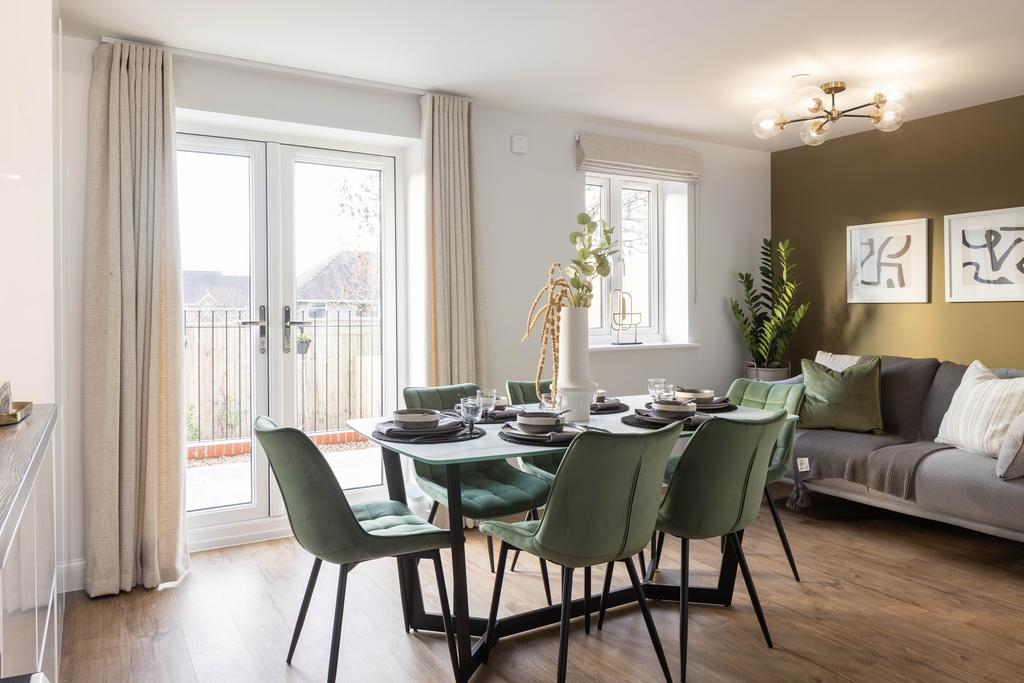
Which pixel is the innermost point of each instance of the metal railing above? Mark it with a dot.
(338, 374)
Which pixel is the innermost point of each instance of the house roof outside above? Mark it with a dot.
(343, 276)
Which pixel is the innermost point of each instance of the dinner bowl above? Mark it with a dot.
(416, 418)
(701, 396)
(539, 422)
(669, 408)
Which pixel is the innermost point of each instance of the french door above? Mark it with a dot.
(288, 260)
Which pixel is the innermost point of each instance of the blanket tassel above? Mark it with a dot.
(799, 498)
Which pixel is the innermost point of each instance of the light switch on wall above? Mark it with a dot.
(520, 144)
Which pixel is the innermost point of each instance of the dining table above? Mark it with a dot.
(492, 447)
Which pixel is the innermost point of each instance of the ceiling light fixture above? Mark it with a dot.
(816, 107)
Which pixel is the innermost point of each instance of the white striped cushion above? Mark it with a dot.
(981, 411)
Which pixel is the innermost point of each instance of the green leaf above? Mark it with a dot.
(582, 218)
(575, 236)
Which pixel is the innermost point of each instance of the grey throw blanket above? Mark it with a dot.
(890, 469)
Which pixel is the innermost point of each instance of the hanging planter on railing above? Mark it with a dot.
(302, 343)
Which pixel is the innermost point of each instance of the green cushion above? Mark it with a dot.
(320, 516)
(768, 396)
(490, 489)
(437, 398)
(849, 400)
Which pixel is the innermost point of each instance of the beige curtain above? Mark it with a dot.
(452, 334)
(134, 427)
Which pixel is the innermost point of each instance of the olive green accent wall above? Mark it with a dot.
(966, 160)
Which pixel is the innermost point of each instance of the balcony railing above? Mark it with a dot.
(338, 376)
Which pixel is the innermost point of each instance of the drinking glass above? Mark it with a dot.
(469, 409)
(656, 387)
(549, 402)
(486, 398)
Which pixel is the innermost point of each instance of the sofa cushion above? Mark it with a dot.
(847, 400)
(905, 383)
(830, 450)
(838, 361)
(936, 403)
(962, 484)
(981, 411)
(1010, 463)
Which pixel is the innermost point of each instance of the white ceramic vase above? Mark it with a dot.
(575, 387)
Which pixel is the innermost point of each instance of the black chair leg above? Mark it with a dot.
(782, 533)
(646, 611)
(547, 581)
(738, 549)
(339, 612)
(304, 608)
(433, 512)
(492, 617)
(563, 630)
(490, 551)
(684, 607)
(446, 614)
(586, 600)
(604, 594)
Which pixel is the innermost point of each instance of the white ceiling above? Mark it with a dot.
(699, 67)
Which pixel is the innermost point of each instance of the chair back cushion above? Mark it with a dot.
(604, 500)
(769, 396)
(525, 391)
(717, 486)
(319, 513)
(437, 398)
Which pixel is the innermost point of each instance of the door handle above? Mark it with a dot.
(261, 324)
(288, 325)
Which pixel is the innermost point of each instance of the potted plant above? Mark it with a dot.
(769, 314)
(302, 342)
(566, 297)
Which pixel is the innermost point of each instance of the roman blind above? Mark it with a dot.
(615, 156)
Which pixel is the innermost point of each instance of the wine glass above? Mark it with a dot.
(469, 409)
(486, 398)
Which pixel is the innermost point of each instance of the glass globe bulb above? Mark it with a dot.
(815, 132)
(767, 124)
(897, 93)
(890, 117)
(809, 101)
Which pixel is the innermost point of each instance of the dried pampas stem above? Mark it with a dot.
(557, 293)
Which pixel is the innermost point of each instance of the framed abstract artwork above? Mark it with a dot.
(985, 256)
(887, 263)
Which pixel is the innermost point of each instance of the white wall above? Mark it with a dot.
(27, 326)
(524, 208)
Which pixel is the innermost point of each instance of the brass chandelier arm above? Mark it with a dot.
(859, 106)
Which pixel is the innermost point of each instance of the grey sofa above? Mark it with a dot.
(953, 486)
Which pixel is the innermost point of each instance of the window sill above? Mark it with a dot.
(644, 346)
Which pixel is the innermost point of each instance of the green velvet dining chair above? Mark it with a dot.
(490, 489)
(524, 392)
(768, 396)
(333, 531)
(716, 492)
(602, 509)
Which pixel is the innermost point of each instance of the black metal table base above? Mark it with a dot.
(470, 654)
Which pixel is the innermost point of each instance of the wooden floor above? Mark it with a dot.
(883, 598)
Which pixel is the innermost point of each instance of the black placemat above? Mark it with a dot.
(613, 408)
(689, 424)
(720, 408)
(432, 438)
(511, 438)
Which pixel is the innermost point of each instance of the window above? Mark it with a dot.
(633, 208)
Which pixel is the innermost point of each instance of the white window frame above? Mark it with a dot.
(611, 205)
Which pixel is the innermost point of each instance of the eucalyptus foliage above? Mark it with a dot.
(594, 247)
(769, 316)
